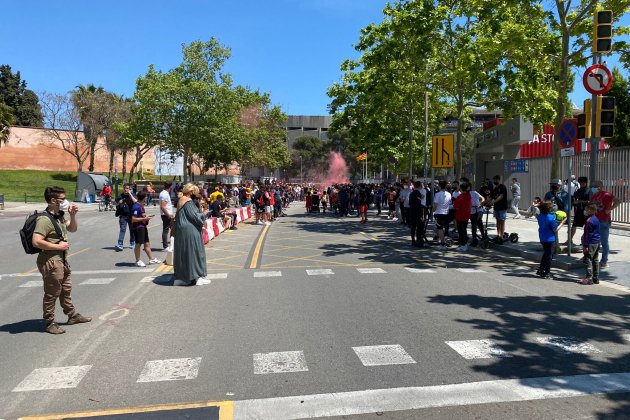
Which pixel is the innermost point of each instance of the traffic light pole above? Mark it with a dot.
(594, 141)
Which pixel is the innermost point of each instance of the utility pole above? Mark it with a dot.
(410, 139)
(594, 141)
(426, 131)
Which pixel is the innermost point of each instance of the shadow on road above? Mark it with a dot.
(27, 325)
(588, 318)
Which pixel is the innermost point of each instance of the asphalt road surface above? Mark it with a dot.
(311, 317)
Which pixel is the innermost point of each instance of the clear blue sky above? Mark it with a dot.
(290, 48)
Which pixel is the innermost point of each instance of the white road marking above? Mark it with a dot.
(99, 281)
(215, 276)
(32, 283)
(469, 270)
(568, 345)
(413, 398)
(279, 362)
(53, 378)
(148, 279)
(478, 349)
(320, 272)
(626, 337)
(420, 270)
(170, 370)
(371, 270)
(268, 274)
(86, 272)
(383, 355)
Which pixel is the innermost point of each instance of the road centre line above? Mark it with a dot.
(414, 398)
(255, 256)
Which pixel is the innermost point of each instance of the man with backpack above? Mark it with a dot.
(50, 237)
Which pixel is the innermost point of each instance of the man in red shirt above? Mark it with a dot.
(606, 203)
(463, 205)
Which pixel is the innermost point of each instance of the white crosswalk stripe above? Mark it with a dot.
(568, 345)
(98, 281)
(478, 349)
(383, 355)
(279, 362)
(320, 272)
(215, 276)
(148, 279)
(268, 274)
(170, 370)
(32, 283)
(53, 378)
(371, 271)
(469, 270)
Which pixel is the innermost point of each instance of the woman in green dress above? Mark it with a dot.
(189, 259)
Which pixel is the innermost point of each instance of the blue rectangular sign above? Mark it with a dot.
(516, 166)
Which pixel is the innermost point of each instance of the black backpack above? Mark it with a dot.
(27, 231)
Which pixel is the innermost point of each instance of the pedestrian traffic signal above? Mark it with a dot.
(584, 121)
(605, 121)
(602, 31)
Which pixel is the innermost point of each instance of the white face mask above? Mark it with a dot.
(64, 205)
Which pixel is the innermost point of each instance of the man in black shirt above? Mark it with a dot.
(499, 198)
(580, 200)
(416, 215)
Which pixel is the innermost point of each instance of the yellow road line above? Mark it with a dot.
(26, 273)
(226, 411)
(254, 262)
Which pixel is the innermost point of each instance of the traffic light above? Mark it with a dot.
(602, 31)
(605, 121)
(584, 121)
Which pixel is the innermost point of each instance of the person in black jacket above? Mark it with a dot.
(124, 203)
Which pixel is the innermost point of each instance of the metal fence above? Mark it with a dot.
(613, 170)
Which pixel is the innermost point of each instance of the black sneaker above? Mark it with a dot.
(118, 248)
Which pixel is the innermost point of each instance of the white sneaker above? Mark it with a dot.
(155, 261)
(139, 263)
(203, 281)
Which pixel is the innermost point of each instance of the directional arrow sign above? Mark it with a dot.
(443, 150)
(597, 79)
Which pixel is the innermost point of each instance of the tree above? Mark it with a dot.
(63, 126)
(6, 121)
(94, 105)
(572, 23)
(23, 102)
(621, 91)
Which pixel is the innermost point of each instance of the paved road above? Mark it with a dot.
(312, 317)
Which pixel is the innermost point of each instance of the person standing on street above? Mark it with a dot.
(516, 197)
(606, 203)
(52, 262)
(580, 200)
(139, 223)
(547, 233)
(499, 199)
(591, 242)
(166, 213)
(124, 203)
(416, 215)
(441, 204)
(463, 204)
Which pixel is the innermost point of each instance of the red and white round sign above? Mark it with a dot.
(597, 79)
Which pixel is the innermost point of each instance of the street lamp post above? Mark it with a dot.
(301, 173)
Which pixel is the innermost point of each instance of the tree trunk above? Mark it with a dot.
(124, 164)
(460, 132)
(111, 163)
(92, 147)
(411, 140)
(561, 105)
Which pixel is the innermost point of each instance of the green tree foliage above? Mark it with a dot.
(621, 91)
(310, 151)
(23, 102)
(6, 121)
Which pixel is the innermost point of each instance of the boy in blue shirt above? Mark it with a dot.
(548, 227)
(591, 242)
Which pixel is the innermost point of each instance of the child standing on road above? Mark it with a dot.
(139, 222)
(548, 227)
(591, 242)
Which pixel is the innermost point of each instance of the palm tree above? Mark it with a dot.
(6, 121)
(89, 100)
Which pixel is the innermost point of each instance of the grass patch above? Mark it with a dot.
(15, 183)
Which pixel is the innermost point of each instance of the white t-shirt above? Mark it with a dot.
(454, 196)
(166, 196)
(423, 196)
(441, 202)
(476, 201)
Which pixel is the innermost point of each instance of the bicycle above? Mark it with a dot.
(105, 205)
